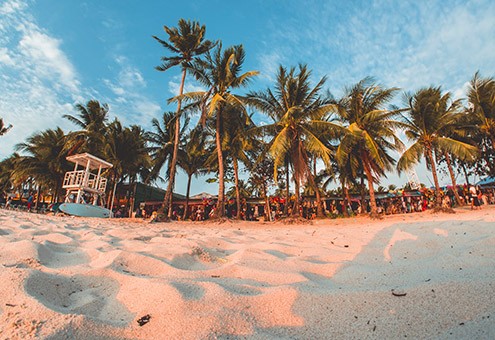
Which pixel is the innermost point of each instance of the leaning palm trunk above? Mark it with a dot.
(438, 198)
(369, 177)
(452, 177)
(188, 190)
(221, 184)
(363, 198)
(168, 199)
(237, 193)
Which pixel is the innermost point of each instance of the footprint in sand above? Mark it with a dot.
(4, 232)
(55, 255)
(86, 295)
(189, 291)
(201, 259)
(141, 265)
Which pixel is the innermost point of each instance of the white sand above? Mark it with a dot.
(420, 275)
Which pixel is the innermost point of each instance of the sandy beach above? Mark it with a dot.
(418, 275)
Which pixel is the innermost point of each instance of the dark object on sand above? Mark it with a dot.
(144, 320)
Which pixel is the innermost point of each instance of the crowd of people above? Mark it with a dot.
(469, 195)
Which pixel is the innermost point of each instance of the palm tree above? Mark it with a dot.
(371, 131)
(126, 150)
(92, 119)
(236, 144)
(220, 73)
(191, 158)
(481, 110)
(186, 42)
(481, 96)
(161, 142)
(45, 161)
(7, 168)
(3, 128)
(299, 121)
(431, 116)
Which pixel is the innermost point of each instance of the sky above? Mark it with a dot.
(55, 54)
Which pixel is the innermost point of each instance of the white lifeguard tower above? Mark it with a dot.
(86, 185)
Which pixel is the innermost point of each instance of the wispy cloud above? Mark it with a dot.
(38, 82)
(132, 104)
(405, 44)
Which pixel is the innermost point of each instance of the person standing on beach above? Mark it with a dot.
(473, 197)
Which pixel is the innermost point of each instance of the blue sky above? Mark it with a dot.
(54, 53)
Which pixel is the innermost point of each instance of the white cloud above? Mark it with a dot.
(190, 85)
(48, 59)
(5, 57)
(12, 6)
(132, 105)
(38, 82)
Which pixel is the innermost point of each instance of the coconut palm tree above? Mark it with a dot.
(7, 168)
(161, 143)
(3, 128)
(92, 119)
(299, 114)
(481, 110)
(126, 150)
(45, 161)
(220, 73)
(236, 144)
(481, 97)
(431, 116)
(370, 131)
(186, 42)
(191, 158)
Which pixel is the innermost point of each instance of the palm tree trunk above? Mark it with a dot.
(295, 210)
(237, 193)
(369, 177)
(344, 199)
(268, 210)
(221, 184)
(37, 198)
(363, 199)
(319, 208)
(167, 201)
(463, 166)
(287, 192)
(452, 177)
(189, 177)
(438, 198)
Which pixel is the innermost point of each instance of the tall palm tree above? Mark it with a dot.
(92, 119)
(191, 158)
(431, 116)
(220, 73)
(3, 128)
(370, 131)
(299, 119)
(185, 42)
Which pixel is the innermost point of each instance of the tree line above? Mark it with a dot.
(356, 137)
